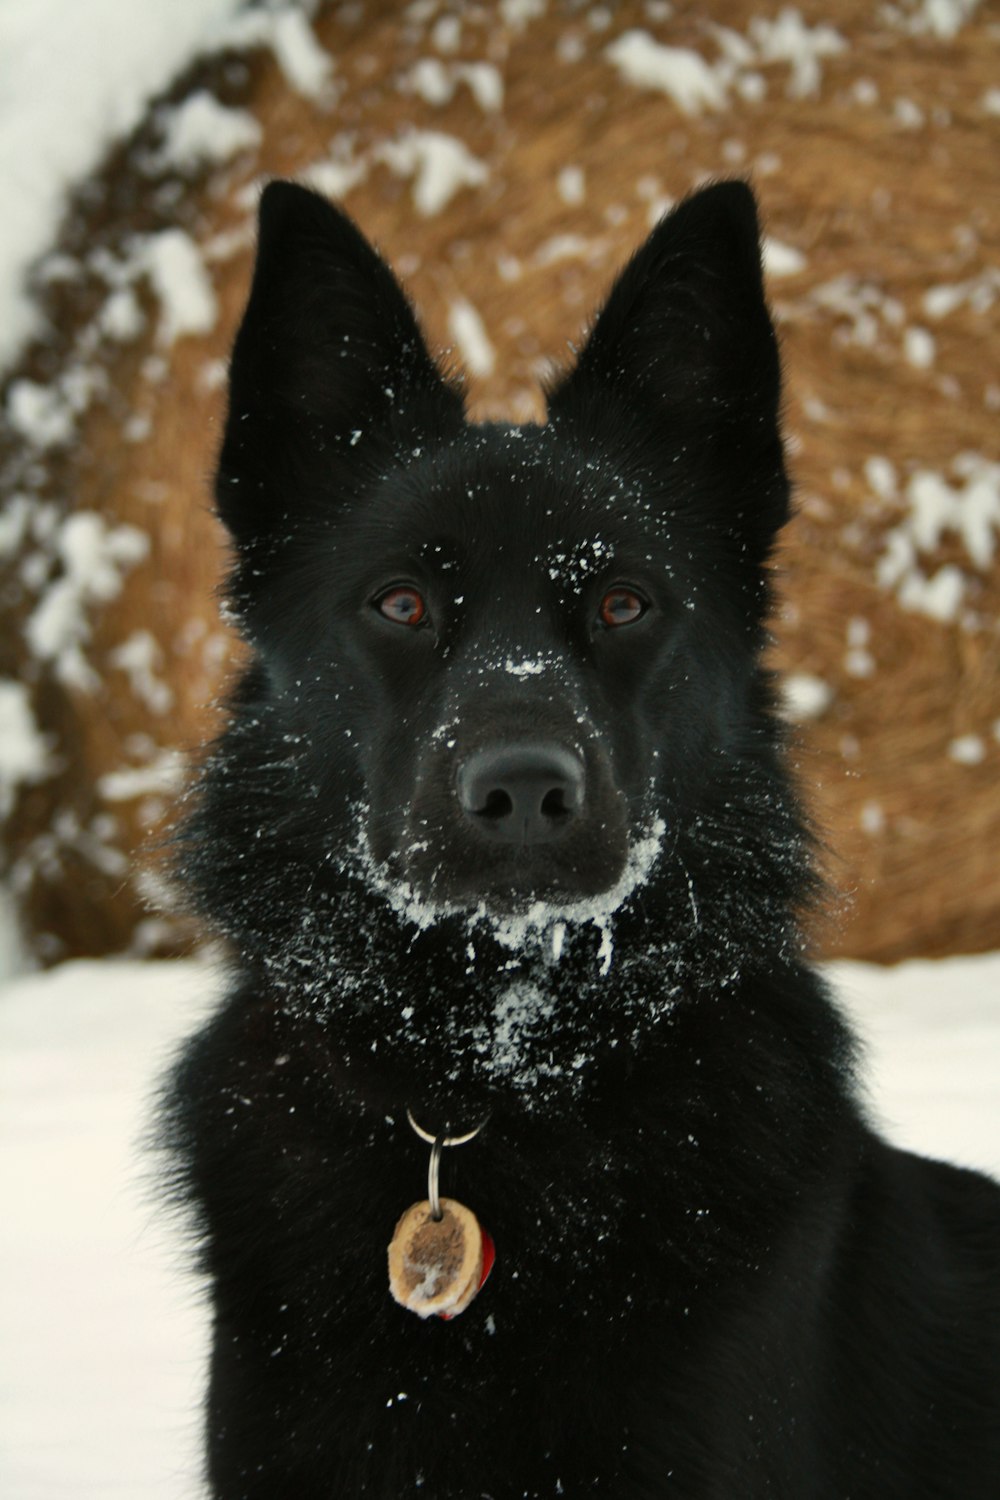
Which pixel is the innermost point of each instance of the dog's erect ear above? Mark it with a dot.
(683, 351)
(330, 373)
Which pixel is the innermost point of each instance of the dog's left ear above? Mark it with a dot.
(683, 355)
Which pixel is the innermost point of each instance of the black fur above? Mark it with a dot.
(713, 1280)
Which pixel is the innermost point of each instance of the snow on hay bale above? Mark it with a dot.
(508, 158)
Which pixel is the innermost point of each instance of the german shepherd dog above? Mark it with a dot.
(502, 842)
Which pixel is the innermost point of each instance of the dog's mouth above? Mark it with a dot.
(514, 885)
(525, 895)
(465, 869)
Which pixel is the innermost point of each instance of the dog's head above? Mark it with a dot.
(517, 656)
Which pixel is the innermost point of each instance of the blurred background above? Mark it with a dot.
(506, 157)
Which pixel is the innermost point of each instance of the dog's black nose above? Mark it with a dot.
(523, 793)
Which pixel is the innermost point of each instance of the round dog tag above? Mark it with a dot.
(438, 1264)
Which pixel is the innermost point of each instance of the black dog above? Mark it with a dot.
(499, 831)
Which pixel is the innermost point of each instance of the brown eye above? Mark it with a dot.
(404, 606)
(620, 607)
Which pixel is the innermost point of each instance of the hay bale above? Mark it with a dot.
(507, 159)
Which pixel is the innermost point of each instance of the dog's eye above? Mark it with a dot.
(403, 605)
(620, 607)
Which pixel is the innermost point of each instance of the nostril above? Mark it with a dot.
(554, 803)
(498, 805)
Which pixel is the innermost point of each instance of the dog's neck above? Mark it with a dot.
(445, 1016)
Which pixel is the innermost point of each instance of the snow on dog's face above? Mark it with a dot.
(505, 662)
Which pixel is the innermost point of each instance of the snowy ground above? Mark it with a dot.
(101, 1331)
(101, 1336)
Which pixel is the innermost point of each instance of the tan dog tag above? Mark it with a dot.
(436, 1266)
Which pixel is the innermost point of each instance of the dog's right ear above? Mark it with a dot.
(330, 374)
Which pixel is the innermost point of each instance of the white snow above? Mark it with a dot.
(919, 348)
(15, 522)
(805, 696)
(968, 509)
(790, 40)
(165, 774)
(978, 293)
(939, 18)
(436, 82)
(177, 272)
(518, 13)
(939, 597)
(440, 165)
(679, 72)
(571, 185)
(881, 476)
(695, 84)
(139, 656)
(517, 1012)
(872, 818)
(864, 308)
(431, 79)
(285, 29)
(932, 1031)
(908, 114)
(446, 34)
(24, 750)
(102, 61)
(567, 247)
(336, 174)
(103, 1339)
(525, 668)
(201, 130)
(93, 557)
(968, 750)
(75, 78)
(537, 923)
(466, 327)
(782, 260)
(39, 413)
(122, 317)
